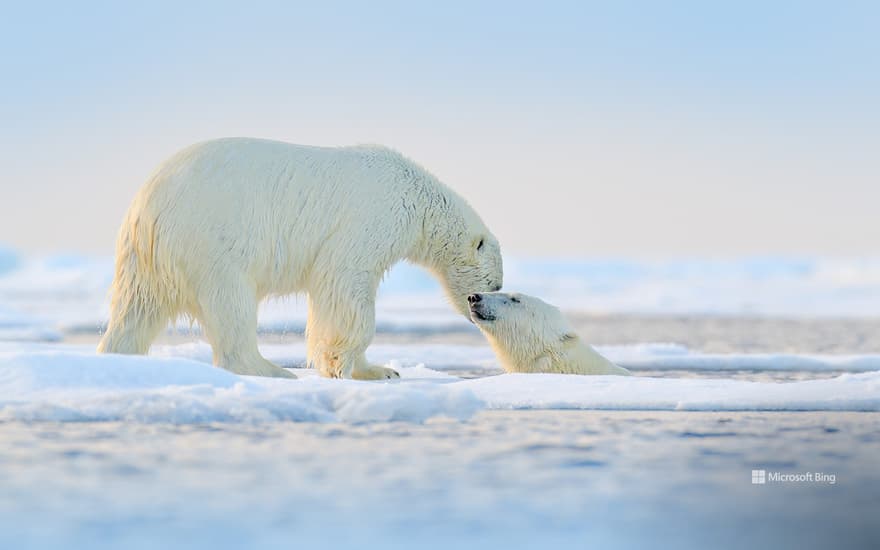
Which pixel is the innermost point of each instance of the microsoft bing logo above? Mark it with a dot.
(759, 477)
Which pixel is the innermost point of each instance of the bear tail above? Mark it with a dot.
(139, 305)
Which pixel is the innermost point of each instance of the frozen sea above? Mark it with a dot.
(747, 370)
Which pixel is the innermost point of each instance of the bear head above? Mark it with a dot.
(521, 328)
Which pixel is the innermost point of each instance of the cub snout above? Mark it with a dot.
(480, 311)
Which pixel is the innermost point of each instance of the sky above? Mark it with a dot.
(625, 129)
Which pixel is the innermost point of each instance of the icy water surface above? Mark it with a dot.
(504, 479)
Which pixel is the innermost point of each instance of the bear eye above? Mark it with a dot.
(479, 246)
(514, 300)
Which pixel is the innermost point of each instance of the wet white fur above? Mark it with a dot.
(224, 224)
(530, 335)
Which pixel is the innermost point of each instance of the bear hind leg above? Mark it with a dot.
(230, 324)
(136, 319)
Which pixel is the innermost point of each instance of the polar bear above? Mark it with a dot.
(223, 224)
(529, 335)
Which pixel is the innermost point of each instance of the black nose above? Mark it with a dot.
(474, 298)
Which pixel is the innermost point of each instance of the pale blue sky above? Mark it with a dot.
(614, 128)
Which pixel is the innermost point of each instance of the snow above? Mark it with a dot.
(660, 356)
(69, 386)
(55, 382)
(848, 392)
(481, 360)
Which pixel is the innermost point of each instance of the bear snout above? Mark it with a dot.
(474, 299)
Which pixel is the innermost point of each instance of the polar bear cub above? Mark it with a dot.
(530, 335)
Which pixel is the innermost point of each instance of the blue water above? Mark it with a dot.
(521, 479)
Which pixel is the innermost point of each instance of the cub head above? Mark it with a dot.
(529, 335)
(518, 317)
(524, 331)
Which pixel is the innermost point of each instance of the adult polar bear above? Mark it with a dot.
(223, 224)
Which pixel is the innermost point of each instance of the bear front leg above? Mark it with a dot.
(338, 332)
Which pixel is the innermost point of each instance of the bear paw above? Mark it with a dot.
(258, 368)
(374, 372)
